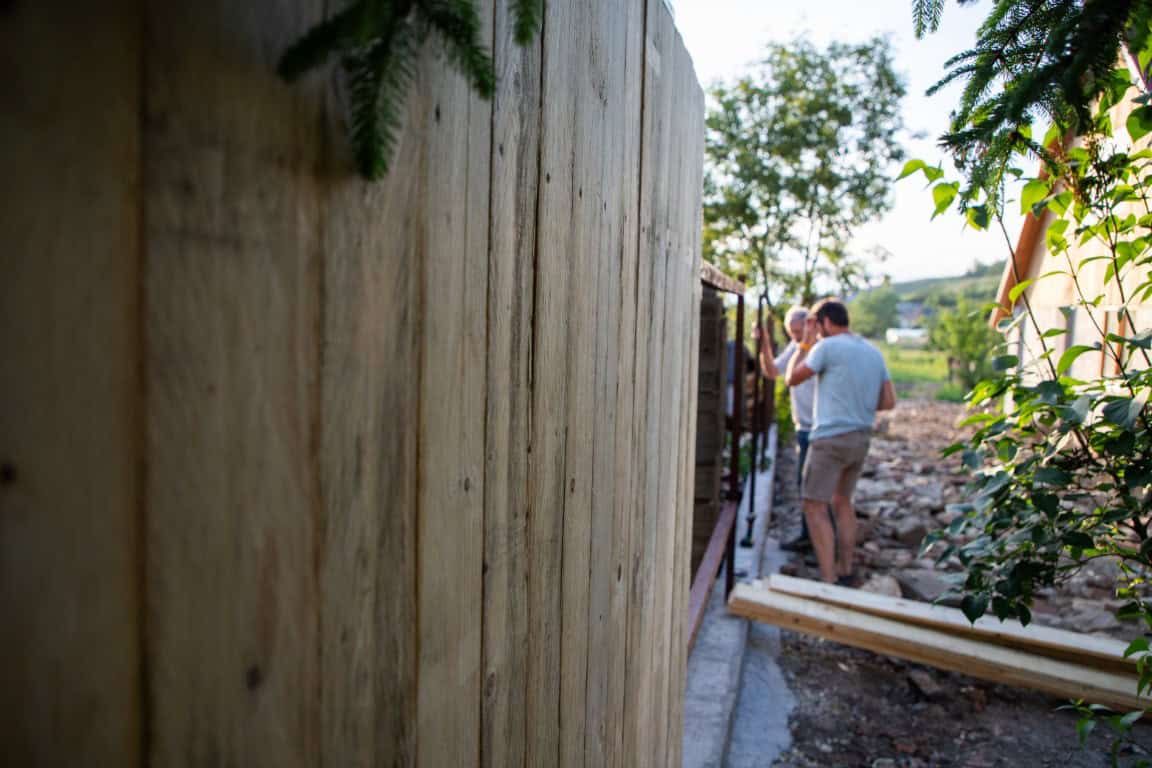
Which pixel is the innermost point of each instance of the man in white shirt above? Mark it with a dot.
(802, 398)
(852, 383)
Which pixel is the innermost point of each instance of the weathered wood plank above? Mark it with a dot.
(710, 273)
(576, 179)
(371, 347)
(515, 174)
(71, 419)
(619, 34)
(453, 376)
(233, 311)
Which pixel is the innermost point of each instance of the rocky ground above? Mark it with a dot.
(855, 708)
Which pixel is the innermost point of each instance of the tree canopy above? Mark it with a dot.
(800, 154)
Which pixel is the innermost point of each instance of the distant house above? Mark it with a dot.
(1055, 299)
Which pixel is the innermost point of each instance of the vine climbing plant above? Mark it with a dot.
(377, 43)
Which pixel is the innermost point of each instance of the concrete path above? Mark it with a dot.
(716, 666)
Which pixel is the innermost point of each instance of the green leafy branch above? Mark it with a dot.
(377, 43)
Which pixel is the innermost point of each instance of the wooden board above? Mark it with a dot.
(1101, 652)
(450, 501)
(615, 57)
(372, 282)
(71, 416)
(936, 648)
(515, 174)
(235, 511)
(712, 276)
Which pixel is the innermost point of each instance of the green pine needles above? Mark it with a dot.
(1045, 60)
(378, 41)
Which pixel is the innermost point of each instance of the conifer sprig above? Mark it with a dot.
(378, 42)
(1047, 59)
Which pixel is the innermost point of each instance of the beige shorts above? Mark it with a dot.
(833, 465)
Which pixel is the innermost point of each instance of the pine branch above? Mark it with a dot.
(458, 26)
(926, 16)
(528, 15)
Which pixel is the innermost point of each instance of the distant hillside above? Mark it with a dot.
(978, 283)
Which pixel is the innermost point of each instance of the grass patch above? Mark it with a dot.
(920, 373)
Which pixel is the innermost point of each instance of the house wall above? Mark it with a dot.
(303, 470)
(1058, 302)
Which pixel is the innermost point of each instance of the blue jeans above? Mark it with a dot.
(801, 456)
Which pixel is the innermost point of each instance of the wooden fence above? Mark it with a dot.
(300, 470)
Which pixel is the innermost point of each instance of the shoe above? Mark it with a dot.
(851, 580)
(798, 544)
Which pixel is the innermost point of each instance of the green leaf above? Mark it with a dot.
(1018, 289)
(1084, 728)
(911, 167)
(944, 194)
(1004, 362)
(1124, 411)
(978, 217)
(974, 606)
(1139, 123)
(1139, 645)
(1071, 354)
(1033, 193)
(1051, 476)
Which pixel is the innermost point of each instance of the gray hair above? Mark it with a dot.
(795, 313)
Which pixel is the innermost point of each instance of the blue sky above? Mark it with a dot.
(723, 36)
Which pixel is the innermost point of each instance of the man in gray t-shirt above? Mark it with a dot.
(852, 383)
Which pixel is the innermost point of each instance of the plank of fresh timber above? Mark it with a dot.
(71, 429)
(712, 276)
(454, 310)
(233, 236)
(515, 171)
(1105, 653)
(936, 648)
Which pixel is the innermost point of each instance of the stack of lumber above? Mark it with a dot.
(1065, 664)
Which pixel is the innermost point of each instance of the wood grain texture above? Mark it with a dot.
(372, 334)
(515, 176)
(619, 29)
(454, 218)
(235, 514)
(939, 649)
(71, 408)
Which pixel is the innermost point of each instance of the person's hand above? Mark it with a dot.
(756, 332)
(811, 331)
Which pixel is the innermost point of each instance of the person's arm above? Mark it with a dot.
(799, 371)
(887, 396)
(767, 364)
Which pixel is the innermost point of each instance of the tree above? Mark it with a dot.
(963, 334)
(798, 157)
(874, 312)
(1062, 467)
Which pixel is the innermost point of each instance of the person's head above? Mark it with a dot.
(794, 321)
(831, 317)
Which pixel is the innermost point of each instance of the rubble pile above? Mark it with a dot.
(906, 490)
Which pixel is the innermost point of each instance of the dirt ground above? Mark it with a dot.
(856, 708)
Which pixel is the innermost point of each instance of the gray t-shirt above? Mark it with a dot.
(803, 395)
(849, 375)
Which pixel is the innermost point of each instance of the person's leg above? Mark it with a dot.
(821, 473)
(801, 456)
(845, 534)
(854, 449)
(823, 540)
